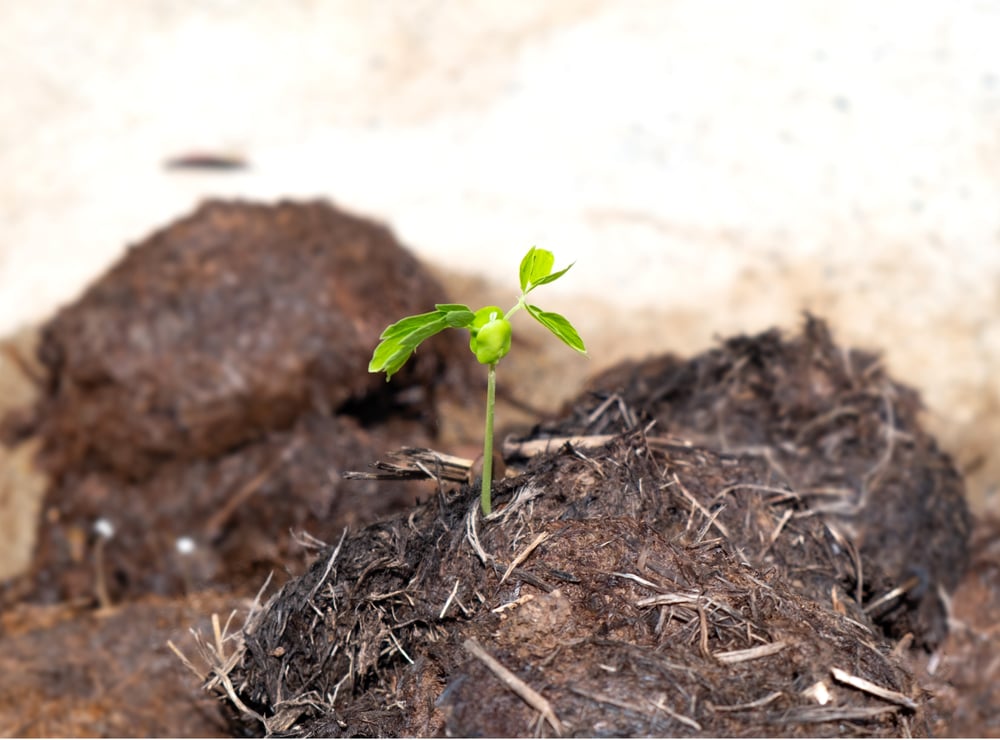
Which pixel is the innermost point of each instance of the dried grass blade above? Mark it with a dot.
(523, 555)
(741, 656)
(527, 694)
(874, 689)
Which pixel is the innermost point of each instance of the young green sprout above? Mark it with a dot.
(489, 339)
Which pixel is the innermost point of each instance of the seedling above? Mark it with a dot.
(489, 339)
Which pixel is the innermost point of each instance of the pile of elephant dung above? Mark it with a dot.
(196, 407)
(633, 581)
(202, 398)
(830, 424)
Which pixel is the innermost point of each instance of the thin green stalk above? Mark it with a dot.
(491, 392)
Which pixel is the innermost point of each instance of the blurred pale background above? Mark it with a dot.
(711, 166)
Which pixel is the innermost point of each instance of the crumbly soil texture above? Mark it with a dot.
(749, 542)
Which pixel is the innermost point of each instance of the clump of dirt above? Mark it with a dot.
(634, 584)
(831, 425)
(66, 672)
(203, 397)
(224, 521)
(224, 326)
(197, 407)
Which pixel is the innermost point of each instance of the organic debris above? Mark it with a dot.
(830, 424)
(641, 584)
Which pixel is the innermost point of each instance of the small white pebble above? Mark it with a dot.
(104, 528)
(185, 545)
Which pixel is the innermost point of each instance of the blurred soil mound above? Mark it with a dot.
(198, 405)
(965, 674)
(716, 572)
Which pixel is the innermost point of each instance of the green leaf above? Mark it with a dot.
(399, 340)
(535, 265)
(550, 278)
(457, 315)
(409, 324)
(560, 326)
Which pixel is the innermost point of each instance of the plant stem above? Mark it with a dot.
(491, 392)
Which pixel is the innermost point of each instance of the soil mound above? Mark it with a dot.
(831, 425)
(634, 582)
(204, 396)
(224, 326)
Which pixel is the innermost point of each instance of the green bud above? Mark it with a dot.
(489, 335)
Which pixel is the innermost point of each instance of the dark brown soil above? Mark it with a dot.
(831, 425)
(225, 326)
(965, 674)
(652, 585)
(199, 403)
(66, 672)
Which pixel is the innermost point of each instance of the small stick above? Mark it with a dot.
(703, 629)
(761, 702)
(184, 659)
(868, 687)
(527, 694)
(893, 594)
(741, 656)
(605, 699)
(776, 533)
(524, 555)
(533, 447)
(451, 596)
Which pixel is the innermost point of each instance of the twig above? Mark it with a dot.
(447, 603)
(708, 515)
(638, 579)
(523, 555)
(683, 719)
(527, 694)
(184, 659)
(473, 537)
(628, 706)
(416, 463)
(756, 704)
(890, 595)
(741, 656)
(776, 533)
(868, 687)
(533, 447)
(785, 494)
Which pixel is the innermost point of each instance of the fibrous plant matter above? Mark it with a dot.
(646, 585)
(831, 425)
